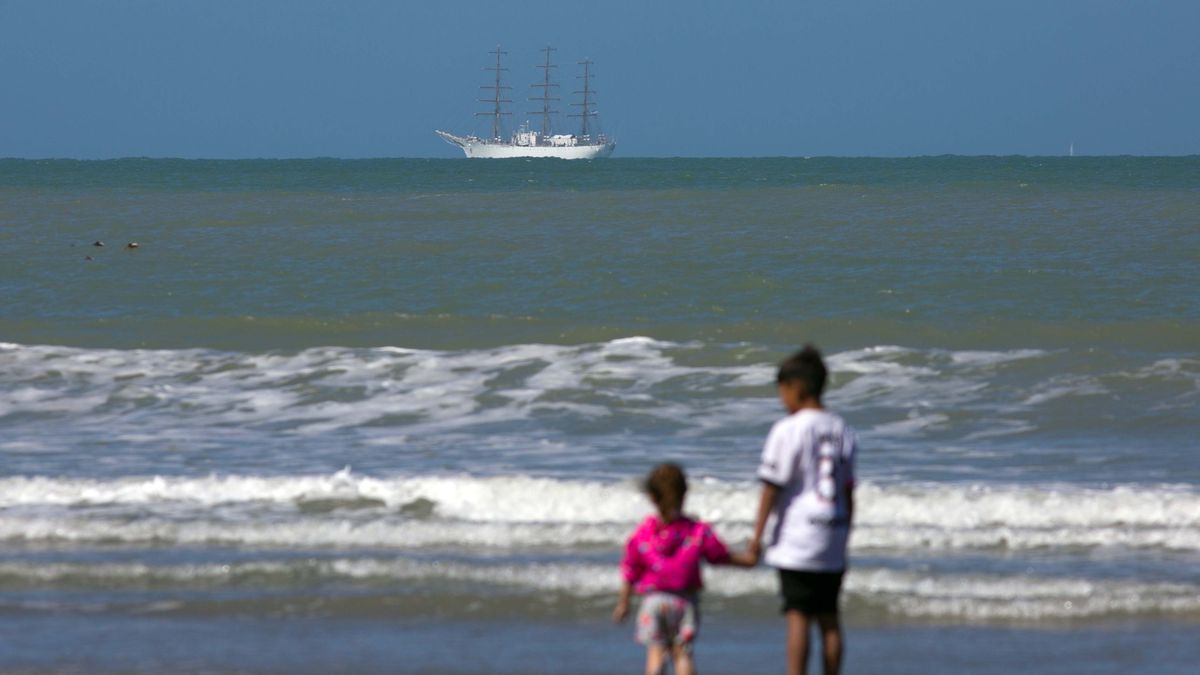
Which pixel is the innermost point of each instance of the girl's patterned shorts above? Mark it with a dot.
(668, 619)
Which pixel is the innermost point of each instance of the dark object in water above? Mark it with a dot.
(97, 243)
(88, 257)
(132, 244)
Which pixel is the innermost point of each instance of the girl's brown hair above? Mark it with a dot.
(666, 485)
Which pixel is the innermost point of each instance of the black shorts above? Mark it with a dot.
(810, 593)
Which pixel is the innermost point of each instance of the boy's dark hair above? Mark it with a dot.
(807, 367)
(666, 485)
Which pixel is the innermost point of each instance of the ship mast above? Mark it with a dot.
(497, 96)
(546, 86)
(585, 111)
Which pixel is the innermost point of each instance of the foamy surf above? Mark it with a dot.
(594, 409)
(971, 597)
(510, 473)
(348, 509)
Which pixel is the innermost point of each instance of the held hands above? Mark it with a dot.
(747, 558)
(754, 551)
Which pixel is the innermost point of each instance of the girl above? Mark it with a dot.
(662, 563)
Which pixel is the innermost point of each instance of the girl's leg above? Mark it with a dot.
(684, 664)
(797, 642)
(656, 658)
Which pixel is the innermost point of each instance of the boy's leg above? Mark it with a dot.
(684, 665)
(831, 642)
(797, 642)
(656, 658)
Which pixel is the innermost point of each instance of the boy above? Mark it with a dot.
(807, 472)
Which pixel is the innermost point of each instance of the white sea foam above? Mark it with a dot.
(320, 390)
(973, 597)
(991, 358)
(568, 409)
(1017, 598)
(349, 510)
(325, 389)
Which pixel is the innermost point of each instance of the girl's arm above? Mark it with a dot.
(622, 609)
(716, 553)
(632, 566)
(742, 559)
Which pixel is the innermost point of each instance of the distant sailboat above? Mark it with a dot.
(528, 142)
(1071, 151)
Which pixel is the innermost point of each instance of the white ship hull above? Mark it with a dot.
(479, 149)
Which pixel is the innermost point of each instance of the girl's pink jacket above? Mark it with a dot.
(666, 556)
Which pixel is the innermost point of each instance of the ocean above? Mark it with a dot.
(389, 415)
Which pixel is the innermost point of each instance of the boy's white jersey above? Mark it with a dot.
(809, 456)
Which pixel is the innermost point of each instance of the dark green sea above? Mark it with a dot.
(401, 404)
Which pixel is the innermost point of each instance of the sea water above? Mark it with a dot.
(389, 415)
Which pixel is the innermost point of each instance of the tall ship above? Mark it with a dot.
(528, 141)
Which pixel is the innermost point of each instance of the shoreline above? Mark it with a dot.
(83, 643)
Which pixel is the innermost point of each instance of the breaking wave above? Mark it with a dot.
(350, 510)
(588, 409)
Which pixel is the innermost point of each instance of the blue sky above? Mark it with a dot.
(373, 78)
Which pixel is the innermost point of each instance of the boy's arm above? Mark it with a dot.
(766, 502)
(775, 470)
(622, 609)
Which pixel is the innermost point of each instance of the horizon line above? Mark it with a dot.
(606, 159)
